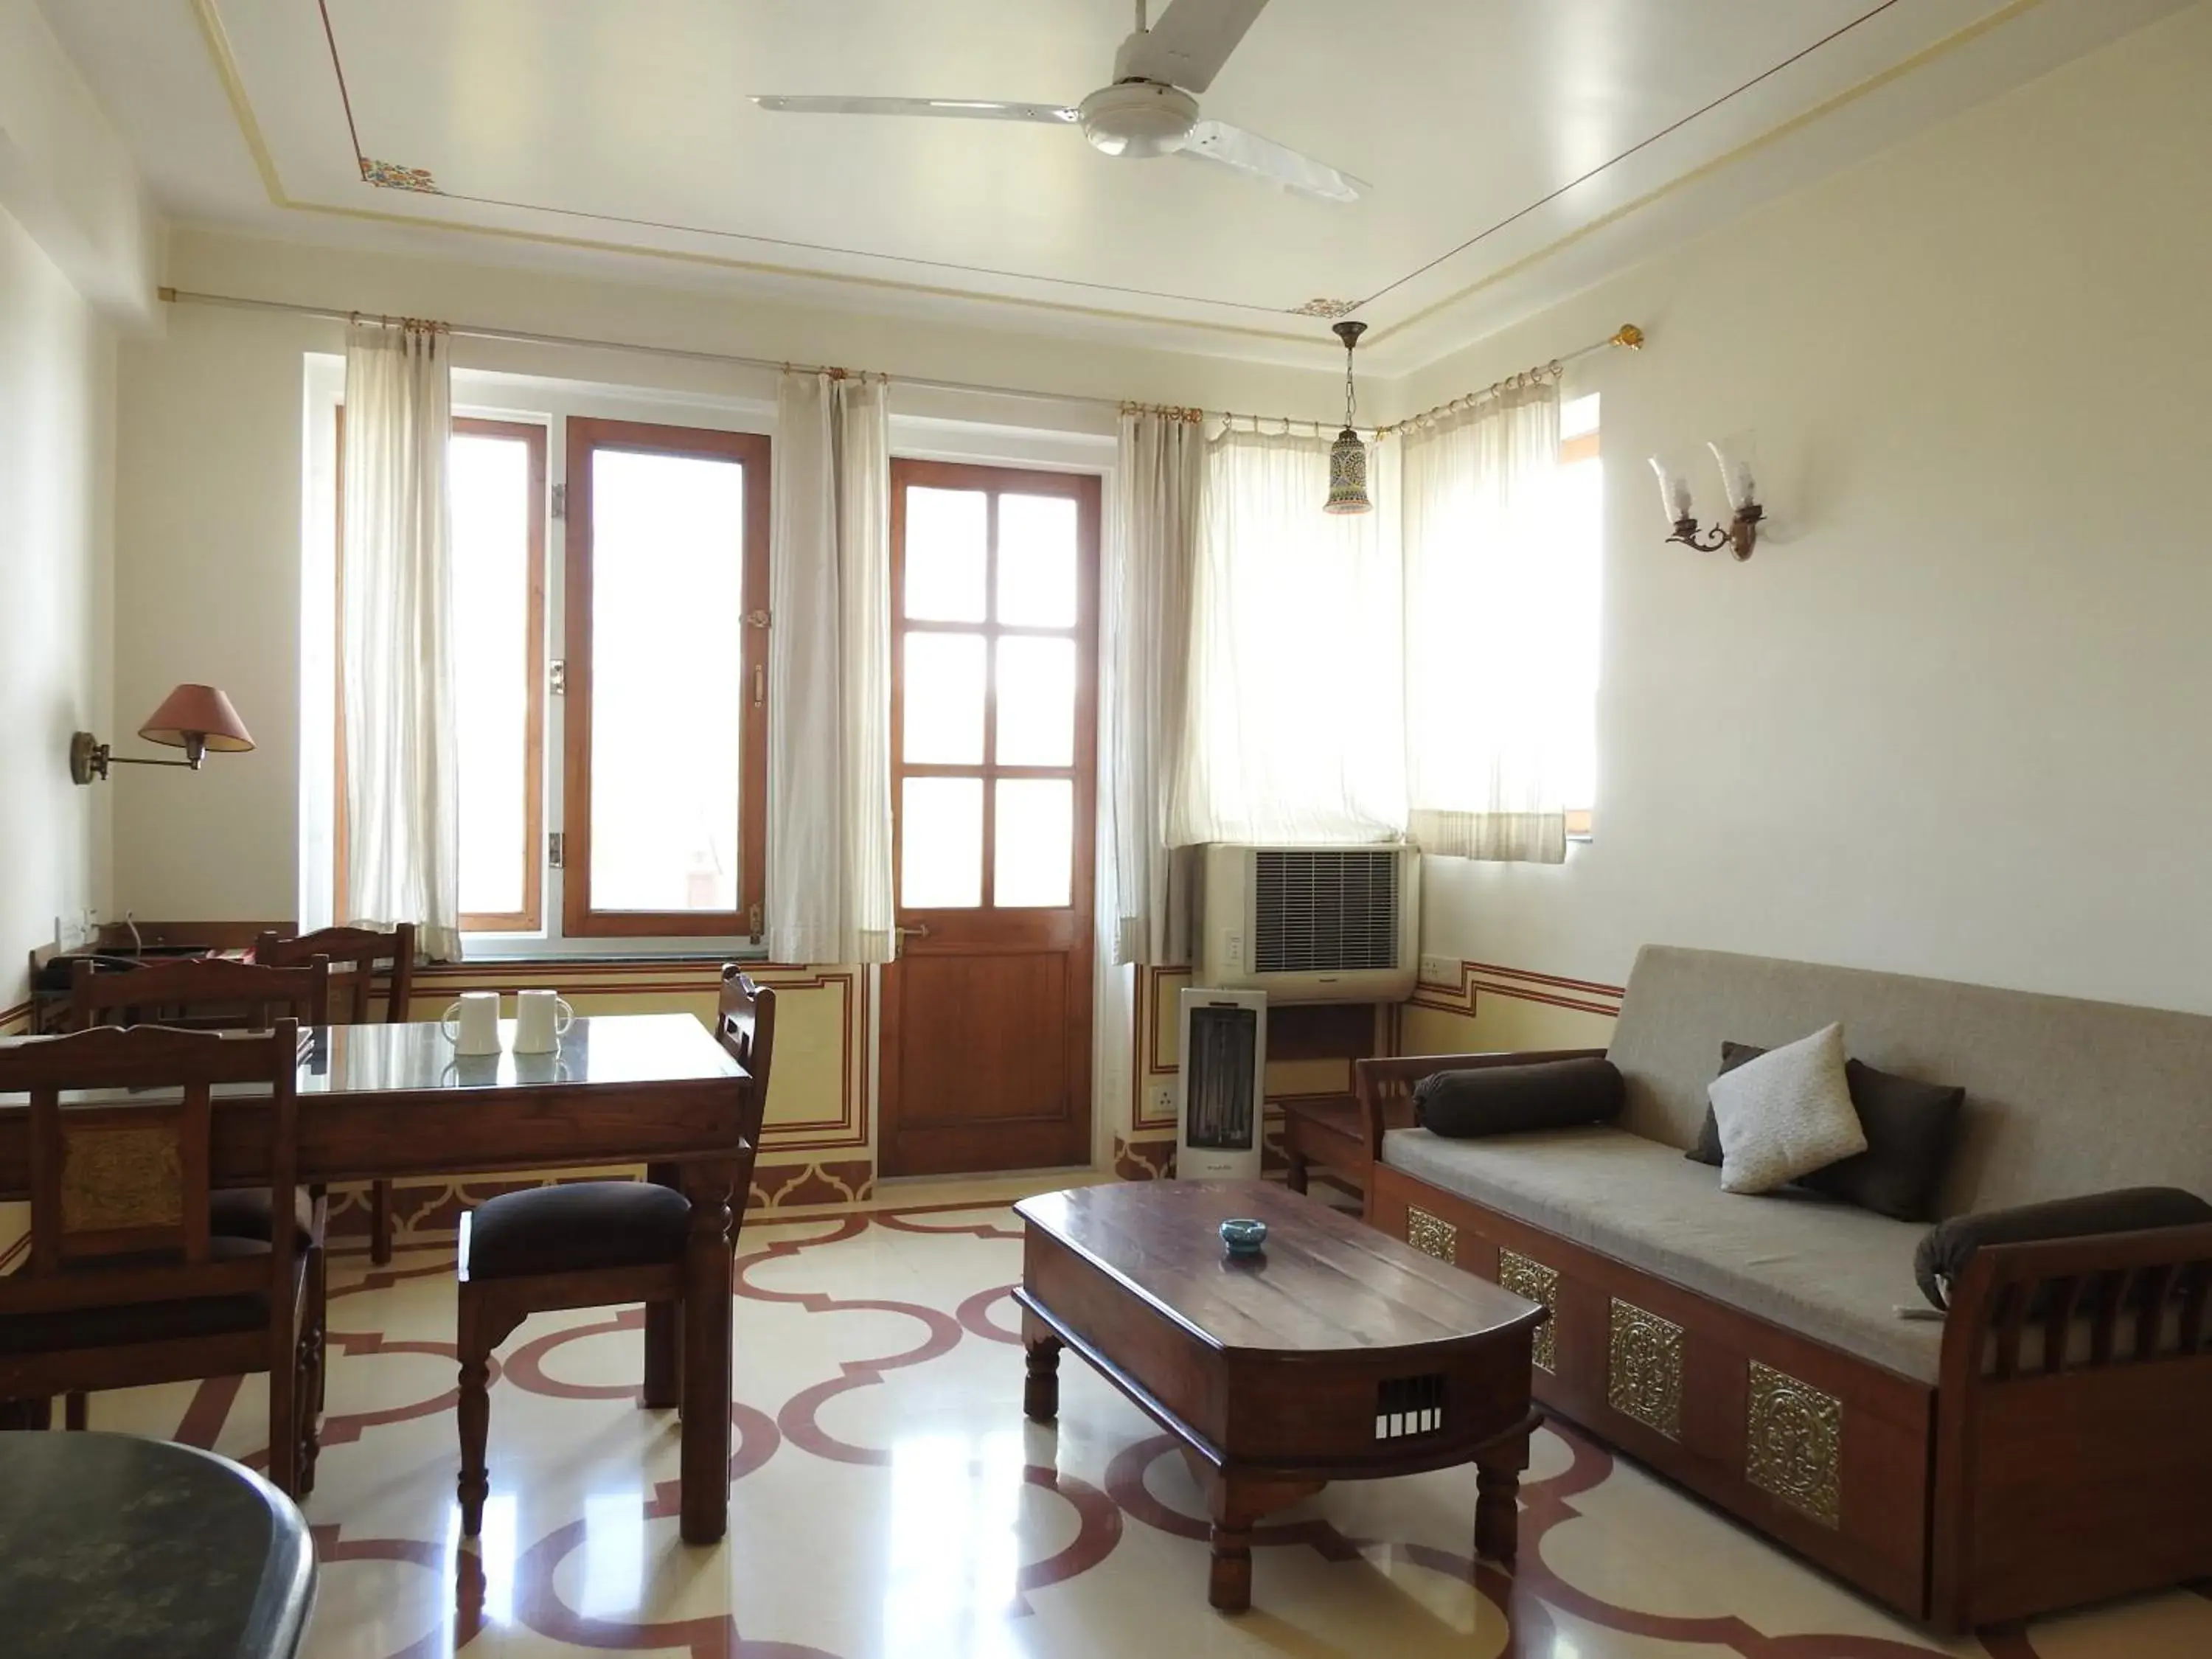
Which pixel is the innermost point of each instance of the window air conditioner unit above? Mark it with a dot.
(1312, 924)
(1225, 1079)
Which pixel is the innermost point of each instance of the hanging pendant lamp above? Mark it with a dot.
(1348, 456)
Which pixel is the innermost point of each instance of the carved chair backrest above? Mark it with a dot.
(356, 951)
(119, 1181)
(208, 992)
(744, 1024)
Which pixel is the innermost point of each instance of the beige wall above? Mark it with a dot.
(57, 410)
(1952, 718)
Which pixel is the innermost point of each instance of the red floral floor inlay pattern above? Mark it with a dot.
(890, 1499)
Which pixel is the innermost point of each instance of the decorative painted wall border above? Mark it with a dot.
(1478, 979)
(425, 1211)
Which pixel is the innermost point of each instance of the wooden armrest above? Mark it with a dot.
(1371, 1080)
(2052, 1282)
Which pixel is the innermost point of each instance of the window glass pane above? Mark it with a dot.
(947, 536)
(941, 844)
(667, 680)
(1037, 701)
(492, 680)
(944, 695)
(1036, 842)
(1037, 561)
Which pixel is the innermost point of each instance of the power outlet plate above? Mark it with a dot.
(1163, 1100)
(1440, 970)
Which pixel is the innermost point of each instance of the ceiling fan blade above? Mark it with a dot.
(1189, 44)
(1262, 158)
(959, 109)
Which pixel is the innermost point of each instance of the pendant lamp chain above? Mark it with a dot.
(1348, 456)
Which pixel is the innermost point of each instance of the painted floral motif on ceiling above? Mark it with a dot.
(390, 175)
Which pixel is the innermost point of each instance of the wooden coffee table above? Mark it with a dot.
(1337, 1354)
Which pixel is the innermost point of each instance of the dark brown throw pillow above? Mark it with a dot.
(1496, 1100)
(1910, 1127)
(1949, 1245)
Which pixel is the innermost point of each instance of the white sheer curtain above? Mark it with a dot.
(1158, 477)
(402, 774)
(1496, 630)
(1295, 725)
(830, 757)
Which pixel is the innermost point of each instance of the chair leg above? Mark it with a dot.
(474, 1411)
(380, 1223)
(312, 1364)
(664, 1355)
(76, 1409)
(285, 1400)
(319, 1309)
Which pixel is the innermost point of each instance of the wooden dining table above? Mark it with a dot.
(396, 1101)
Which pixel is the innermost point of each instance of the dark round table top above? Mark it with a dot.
(111, 1545)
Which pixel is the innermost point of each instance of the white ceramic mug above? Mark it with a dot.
(540, 1017)
(472, 1024)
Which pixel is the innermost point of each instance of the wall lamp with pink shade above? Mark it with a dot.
(193, 717)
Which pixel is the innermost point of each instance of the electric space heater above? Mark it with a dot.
(1225, 1058)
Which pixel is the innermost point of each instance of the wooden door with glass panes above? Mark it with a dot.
(986, 1012)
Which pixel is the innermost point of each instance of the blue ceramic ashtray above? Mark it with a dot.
(1243, 1235)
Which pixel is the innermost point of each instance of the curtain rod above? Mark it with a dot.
(1628, 335)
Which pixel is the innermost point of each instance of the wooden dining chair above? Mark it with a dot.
(128, 1282)
(217, 993)
(593, 1244)
(357, 951)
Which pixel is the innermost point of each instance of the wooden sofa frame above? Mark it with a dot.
(2063, 1456)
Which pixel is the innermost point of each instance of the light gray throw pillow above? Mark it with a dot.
(1786, 1114)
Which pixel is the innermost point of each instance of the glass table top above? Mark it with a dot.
(606, 1050)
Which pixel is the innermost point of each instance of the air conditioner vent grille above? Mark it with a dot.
(1329, 911)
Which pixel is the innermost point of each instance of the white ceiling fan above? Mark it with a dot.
(1147, 111)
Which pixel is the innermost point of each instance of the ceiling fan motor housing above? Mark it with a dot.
(1139, 119)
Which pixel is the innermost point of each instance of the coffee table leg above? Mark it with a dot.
(1498, 1469)
(1235, 1504)
(1040, 1393)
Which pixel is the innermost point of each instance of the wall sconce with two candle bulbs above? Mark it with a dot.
(1738, 466)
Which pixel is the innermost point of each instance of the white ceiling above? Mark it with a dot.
(1516, 148)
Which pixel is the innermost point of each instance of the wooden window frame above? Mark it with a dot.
(751, 449)
(531, 918)
(1084, 490)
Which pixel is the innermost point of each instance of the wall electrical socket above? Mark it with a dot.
(1163, 1100)
(1440, 970)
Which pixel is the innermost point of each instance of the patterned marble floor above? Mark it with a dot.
(891, 1500)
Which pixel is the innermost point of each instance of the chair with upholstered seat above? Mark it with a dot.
(357, 952)
(593, 1244)
(215, 993)
(127, 1283)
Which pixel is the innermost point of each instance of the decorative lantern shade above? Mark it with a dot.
(197, 718)
(1348, 456)
(1347, 475)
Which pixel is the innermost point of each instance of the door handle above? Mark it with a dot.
(920, 930)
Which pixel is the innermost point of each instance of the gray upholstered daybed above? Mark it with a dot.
(1963, 1471)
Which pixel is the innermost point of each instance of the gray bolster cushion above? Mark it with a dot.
(1949, 1245)
(1496, 1100)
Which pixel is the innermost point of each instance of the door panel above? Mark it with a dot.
(987, 1013)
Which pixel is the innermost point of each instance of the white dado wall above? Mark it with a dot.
(1953, 717)
(57, 412)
